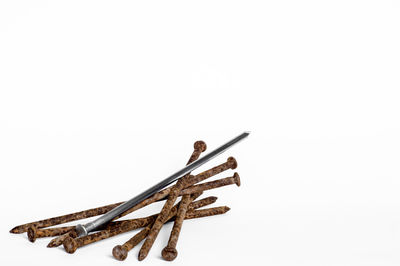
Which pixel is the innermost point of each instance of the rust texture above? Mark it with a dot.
(187, 187)
(120, 252)
(60, 239)
(231, 163)
(161, 219)
(235, 179)
(206, 212)
(169, 252)
(198, 148)
(184, 182)
(191, 180)
(34, 232)
(71, 244)
(199, 203)
(64, 218)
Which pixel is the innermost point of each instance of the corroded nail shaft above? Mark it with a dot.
(34, 233)
(169, 252)
(71, 244)
(198, 148)
(65, 218)
(191, 180)
(106, 218)
(136, 239)
(120, 252)
(161, 219)
(229, 164)
(206, 212)
(58, 241)
(235, 179)
(184, 182)
(72, 233)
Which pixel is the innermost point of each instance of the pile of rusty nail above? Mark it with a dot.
(187, 208)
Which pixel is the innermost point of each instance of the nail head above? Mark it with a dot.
(236, 177)
(169, 253)
(233, 161)
(32, 233)
(119, 252)
(200, 145)
(70, 245)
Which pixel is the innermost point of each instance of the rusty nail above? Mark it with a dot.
(198, 147)
(71, 244)
(120, 252)
(231, 163)
(64, 218)
(184, 182)
(161, 219)
(169, 253)
(173, 239)
(235, 179)
(34, 232)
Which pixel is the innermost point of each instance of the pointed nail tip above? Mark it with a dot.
(52, 244)
(141, 256)
(247, 133)
(15, 230)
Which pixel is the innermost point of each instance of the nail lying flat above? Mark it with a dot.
(85, 229)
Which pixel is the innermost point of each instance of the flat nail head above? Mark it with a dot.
(32, 233)
(234, 162)
(70, 245)
(169, 253)
(236, 177)
(200, 145)
(119, 252)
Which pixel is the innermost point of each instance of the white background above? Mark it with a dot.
(101, 99)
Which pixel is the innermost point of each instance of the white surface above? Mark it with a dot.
(110, 95)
